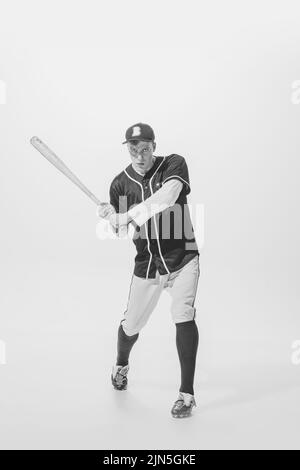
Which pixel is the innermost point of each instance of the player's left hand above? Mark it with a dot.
(119, 221)
(104, 210)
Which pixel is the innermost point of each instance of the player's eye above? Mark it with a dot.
(135, 152)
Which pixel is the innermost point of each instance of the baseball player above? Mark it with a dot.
(151, 193)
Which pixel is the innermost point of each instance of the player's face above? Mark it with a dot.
(141, 155)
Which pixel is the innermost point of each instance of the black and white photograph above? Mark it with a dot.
(149, 242)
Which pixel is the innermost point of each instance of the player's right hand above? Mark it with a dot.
(105, 210)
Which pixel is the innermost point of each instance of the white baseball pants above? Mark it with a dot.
(145, 293)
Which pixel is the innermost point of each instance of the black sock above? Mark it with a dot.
(187, 338)
(125, 344)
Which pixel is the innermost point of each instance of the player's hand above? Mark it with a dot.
(105, 210)
(119, 221)
(119, 224)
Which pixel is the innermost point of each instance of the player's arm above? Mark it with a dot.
(177, 168)
(113, 210)
(106, 209)
(165, 197)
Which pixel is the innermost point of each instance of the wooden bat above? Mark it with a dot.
(59, 164)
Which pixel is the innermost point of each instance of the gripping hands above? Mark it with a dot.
(118, 222)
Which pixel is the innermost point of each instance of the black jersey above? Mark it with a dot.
(166, 242)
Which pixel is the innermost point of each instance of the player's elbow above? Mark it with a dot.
(175, 191)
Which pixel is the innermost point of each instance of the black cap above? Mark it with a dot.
(139, 131)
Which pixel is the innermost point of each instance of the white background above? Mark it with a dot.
(215, 82)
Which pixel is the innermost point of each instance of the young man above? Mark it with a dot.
(151, 193)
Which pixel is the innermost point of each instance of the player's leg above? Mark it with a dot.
(182, 287)
(143, 297)
(124, 346)
(187, 338)
(120, 370)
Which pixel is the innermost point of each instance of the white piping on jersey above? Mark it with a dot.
(146, 224)
(176, 176)
(155, 225)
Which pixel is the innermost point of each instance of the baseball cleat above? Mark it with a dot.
(119, 377)
(183, 406)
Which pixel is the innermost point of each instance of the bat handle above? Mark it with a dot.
(122, 232)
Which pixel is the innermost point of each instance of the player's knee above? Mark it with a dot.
(183, 313)
(130, 329)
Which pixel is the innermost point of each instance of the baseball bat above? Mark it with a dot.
(59, 164)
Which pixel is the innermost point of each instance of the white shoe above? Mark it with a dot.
(119, 377)
(183, 406)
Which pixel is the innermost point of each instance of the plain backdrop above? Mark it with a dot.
(217, 82)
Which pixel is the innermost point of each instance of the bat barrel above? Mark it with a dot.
(60, 165)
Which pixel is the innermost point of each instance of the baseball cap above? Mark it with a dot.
(139, 131)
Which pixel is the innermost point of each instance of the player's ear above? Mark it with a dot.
(154, 146)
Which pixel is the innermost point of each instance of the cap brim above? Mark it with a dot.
(135, 138)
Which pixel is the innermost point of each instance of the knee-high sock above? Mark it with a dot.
(124, 346)
(187, 338)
